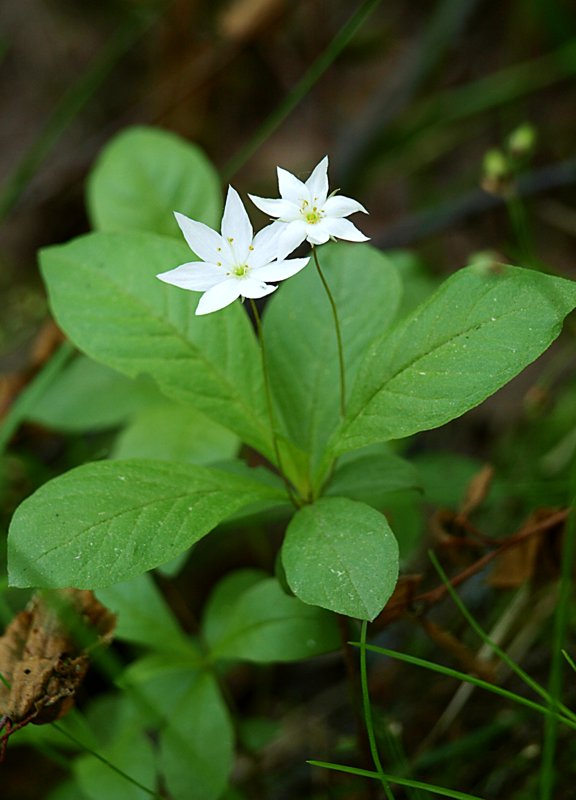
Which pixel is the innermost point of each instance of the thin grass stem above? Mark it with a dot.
(539, 690)
(368, 713)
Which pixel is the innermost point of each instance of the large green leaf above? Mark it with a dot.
(300, 337)
(371, 474)
(106, 522)
(250, 617)
(133, 755)
(479, 330)
(143, 175)
(169, 431)
(143, 616)
(341, 555)
(105, 296)
(196, 749)
(196, 737)
(88, 396)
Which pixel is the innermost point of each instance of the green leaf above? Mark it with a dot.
(171, 432)
(196, 739)
(479, 330)
(300, 338)
(105, 296)
(341, 555)
(143, 175)
(106, 522)
(143, 615)
(370, 474)
(196, 749)
(134, 755)
(249, 617)
(88, 396)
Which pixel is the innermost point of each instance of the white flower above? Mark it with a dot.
(235, 263)
(305, 212)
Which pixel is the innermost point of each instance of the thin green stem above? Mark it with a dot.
(364, 773)
(539, 690)
(271, 414)
(547, 771)
(105, 761)
(338, 333)
(368, 713)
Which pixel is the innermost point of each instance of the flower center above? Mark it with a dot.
(311, 214)
(240, 270)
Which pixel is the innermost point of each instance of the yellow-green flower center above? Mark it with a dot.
(311, 214)
(240, 270)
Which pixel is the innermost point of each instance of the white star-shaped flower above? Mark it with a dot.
(304, 211)
(234, 263)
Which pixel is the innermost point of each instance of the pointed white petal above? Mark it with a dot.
(219, 297)
(280, 270)
(201, 239)
(318, 233)
(343, 229)
(291, 237)
(196, 276)
(291, 188)
(317, 183)
(236, 225)
(249, 287)
(265, 244)
(340, 206)
(276, 207)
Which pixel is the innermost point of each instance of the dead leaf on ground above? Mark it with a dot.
(45, 654)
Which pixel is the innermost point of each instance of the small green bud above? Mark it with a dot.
(497, 173)
(522, 140)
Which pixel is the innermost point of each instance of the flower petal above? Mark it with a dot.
(292, 236)
(236, 227)
(318, 233)
(291, 188)
(201, 239)
(276, 207)
(317, 183)
(265, 245)
(342, 229)
(196, 276)
(251, 287)
(219, 297)
(340, 206)
(279, 270)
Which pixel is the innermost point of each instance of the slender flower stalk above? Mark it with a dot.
(338, 334)
(271, 415)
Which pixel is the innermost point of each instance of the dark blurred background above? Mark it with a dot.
(406, 110)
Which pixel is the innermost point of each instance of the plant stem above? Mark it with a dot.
(271, 415)
(561, 623)
(338, 334)
(368, 713)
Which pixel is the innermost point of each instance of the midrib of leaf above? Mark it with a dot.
(453, 338)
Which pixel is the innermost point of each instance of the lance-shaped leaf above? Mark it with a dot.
(479, 330)
(104, 294)
(106, 522)
(143, 175)
(341, 554)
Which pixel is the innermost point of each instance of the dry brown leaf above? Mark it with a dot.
(243, 20)
(44, 656)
